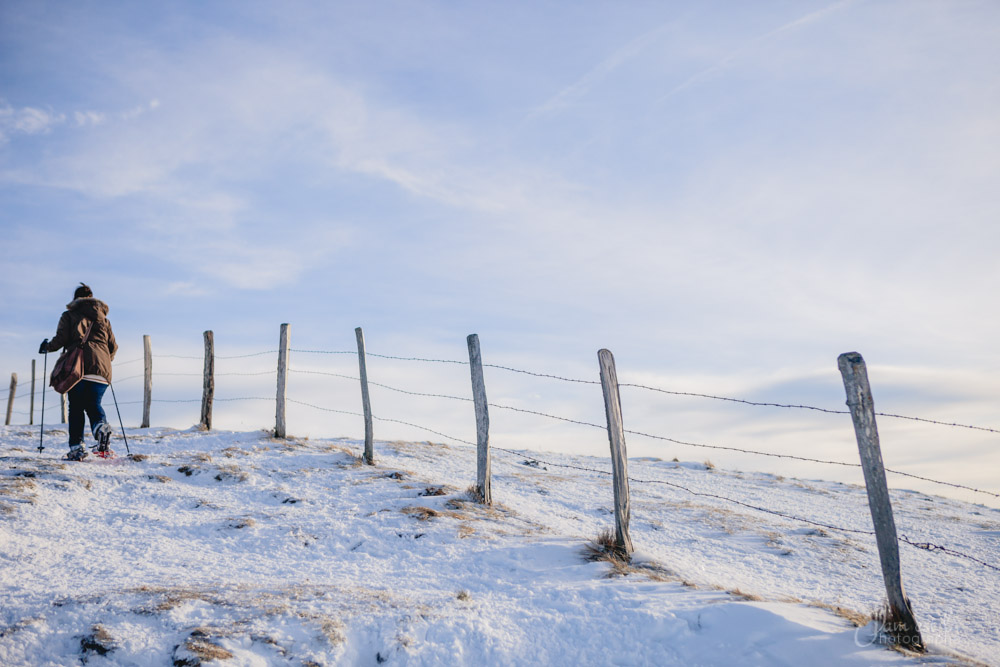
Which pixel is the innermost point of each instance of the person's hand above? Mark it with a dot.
(44, 347)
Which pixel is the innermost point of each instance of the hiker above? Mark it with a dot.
(82, 314)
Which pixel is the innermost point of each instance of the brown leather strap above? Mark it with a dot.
(87, 335)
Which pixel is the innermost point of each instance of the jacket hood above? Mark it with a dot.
(89, 307)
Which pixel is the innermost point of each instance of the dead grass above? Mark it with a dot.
(159, 478)
(474, 495)
(857, 619)
(605, 548)
(900, 635)
(466, 530)
(138, 458)
(420, 512)
(203, 650)
(10, 486)
(748, 597)
(426, 513)
(333, 630)
(462, 595)
(708, 465)
(231, 473)
(98, 641)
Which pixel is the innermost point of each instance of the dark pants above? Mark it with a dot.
(85, 397)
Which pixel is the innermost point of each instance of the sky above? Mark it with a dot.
(727, 195)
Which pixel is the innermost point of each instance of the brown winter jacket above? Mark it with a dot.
(101, 346)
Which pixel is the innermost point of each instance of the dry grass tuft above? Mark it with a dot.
(474, 495)
(202, 650)
(748, 597)
(333, 631)
(899, 635)
(159, 478)
(433, 491)
(138, 458)
(605, 548)
(855, 618)
(98, 641)
(708, 465)
(466, 530)
(245, 522)
(420, 512)
(463, 596)
(231, 472)
(15, 485)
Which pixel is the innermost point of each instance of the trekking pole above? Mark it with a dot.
(120, 418)
(41, 427)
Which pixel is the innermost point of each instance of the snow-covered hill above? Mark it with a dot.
(239, 549)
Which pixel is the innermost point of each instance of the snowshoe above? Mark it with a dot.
(76, 453)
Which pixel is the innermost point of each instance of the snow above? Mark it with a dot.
(235, 548)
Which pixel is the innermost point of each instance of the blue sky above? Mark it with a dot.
(726, 194)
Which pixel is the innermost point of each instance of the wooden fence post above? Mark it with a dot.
(483, 473)
(279, 417)
(901, 624)
(369, 456)
(147, 393)
(208, 384)
(31, 410)
(62, 409)
(10, 398)
(619, 457)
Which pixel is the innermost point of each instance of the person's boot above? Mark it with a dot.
(76, 453)
(103, 435)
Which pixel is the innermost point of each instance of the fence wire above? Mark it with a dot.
(926, 546)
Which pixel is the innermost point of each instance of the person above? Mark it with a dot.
(98, 352)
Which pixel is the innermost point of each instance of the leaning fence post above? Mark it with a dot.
(10, 398)
(900, 624)
(619, 458)
(369, 456)
(147, 386)
(31, 410)
(279, 415)
(482, 421)
(208, 384)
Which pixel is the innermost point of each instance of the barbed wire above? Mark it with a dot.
(927, 546)
(794, 457)
(384, 419)
(939, 423)
(434, 361)
(540, 375)
(354, 352)
(384, 386)
(803, 407)
(245, 356)
(902, 538)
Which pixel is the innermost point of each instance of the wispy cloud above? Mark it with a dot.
(582, 87)
(27, 120)
(754, 44)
